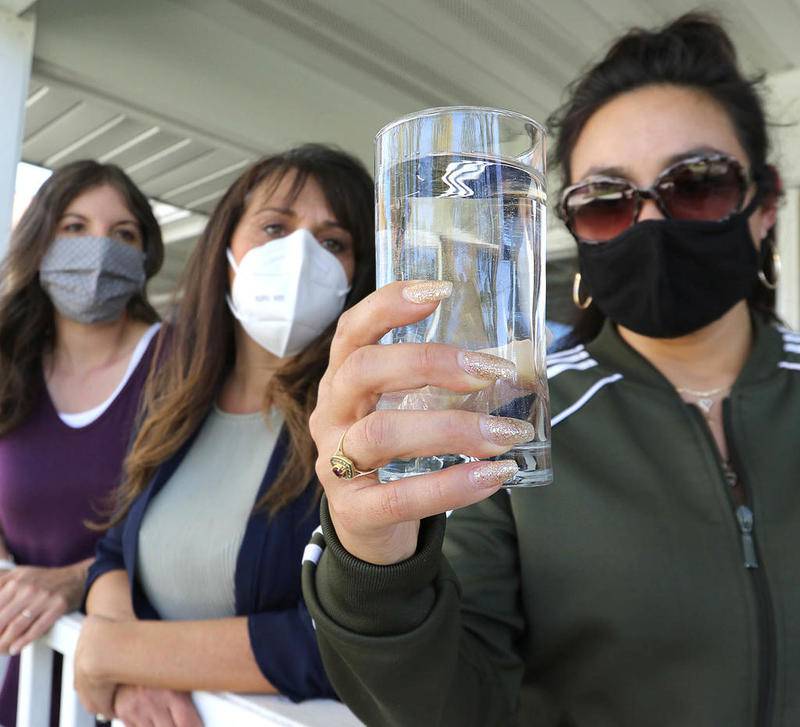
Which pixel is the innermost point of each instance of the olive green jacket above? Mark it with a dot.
(632, 592)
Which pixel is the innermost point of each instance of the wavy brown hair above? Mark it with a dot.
(26, 314)
(197, 352)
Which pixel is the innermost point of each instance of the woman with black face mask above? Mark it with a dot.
(654, 583)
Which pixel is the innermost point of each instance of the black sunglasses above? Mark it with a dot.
(707, 187)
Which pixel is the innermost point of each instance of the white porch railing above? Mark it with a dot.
(216, 710)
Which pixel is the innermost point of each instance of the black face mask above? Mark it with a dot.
(668, 278)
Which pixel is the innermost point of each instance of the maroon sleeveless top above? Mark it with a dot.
(53, 478)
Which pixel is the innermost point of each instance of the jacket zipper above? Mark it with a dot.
(766, 615)
(745, 517)
(753, 561)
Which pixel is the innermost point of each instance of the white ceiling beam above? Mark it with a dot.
(138, 139)
(162, 301)
(206, 178)
(17, 7)
(34, 98)
(54, 159)
(55, 121)
(177, 146)
(185, 229)
(216, 194)
(202, 156)
(58, 77)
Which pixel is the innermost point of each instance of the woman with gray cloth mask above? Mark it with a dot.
(200, 571)
(76, 335)
(655, 582)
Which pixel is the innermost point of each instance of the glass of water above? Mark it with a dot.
(460, 196)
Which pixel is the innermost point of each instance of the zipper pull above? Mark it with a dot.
(746, 519)
(730, 475)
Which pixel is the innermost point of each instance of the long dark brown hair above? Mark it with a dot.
(198, 351)
(692, 51)
(26, 313)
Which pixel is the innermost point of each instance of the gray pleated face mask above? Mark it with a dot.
(91, 279)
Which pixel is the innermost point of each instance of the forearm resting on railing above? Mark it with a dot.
(213, 655)
(110, 597)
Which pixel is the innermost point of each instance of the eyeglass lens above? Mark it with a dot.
(705, 189)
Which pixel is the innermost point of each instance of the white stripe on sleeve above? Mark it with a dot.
(567, 352)
(585, 398)
(574, 358)
(556, 369)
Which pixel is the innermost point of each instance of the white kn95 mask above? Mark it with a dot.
(286, 292)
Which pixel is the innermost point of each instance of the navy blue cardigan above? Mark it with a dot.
(267, 579)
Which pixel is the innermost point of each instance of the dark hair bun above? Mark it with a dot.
(689, 36)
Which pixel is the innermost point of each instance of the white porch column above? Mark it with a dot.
(788, 239)
(784, 108)
(16, 54)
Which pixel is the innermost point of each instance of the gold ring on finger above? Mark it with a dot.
(344, 467)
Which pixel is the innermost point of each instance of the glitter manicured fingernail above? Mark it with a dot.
(492, 474)
(487, 367)
(427, 291)
(505, 430)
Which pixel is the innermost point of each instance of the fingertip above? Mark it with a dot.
(425, 292)
(493, 474)
(486, 367)
(505, 431)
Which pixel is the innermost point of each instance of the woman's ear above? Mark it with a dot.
(769, 207)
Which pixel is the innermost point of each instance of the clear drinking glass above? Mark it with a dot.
(460, 196)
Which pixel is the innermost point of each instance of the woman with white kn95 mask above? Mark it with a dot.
(201, 565)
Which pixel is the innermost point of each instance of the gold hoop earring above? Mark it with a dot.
(775, 259)
(576, 294)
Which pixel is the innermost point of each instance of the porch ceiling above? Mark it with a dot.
(184, 94)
